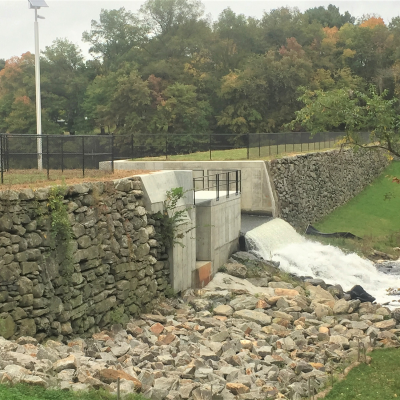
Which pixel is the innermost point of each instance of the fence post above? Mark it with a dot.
(47, 157)
(83, 156)
(209, 146)
(217, 182)
(62, 153)
(227, 189)
(6, 151)
(285, 141)
(2, 158)
(301, 141)
(166, 146)
(132, 146)
(259, 145)
(112, 153)
(237, 182)
(248, 146)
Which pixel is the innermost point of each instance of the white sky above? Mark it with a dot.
(68, 19)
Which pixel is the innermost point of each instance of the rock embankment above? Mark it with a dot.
(231, 340)
(310, 186)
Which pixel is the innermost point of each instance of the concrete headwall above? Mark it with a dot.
(310, 186)
(114, 267)
(182, 256)
(218, 226)
(256, 193)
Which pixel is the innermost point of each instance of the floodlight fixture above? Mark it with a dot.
(36, 4)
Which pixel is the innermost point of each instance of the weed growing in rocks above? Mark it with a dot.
(61, 230)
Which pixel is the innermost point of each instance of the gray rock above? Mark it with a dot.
(236, 269)
(254, 316)
(243, 302)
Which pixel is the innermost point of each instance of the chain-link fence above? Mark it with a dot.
(59, 152)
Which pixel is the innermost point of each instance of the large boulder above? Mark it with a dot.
(236, 269)
(321, 296)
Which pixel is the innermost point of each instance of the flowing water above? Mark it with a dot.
(278, 241)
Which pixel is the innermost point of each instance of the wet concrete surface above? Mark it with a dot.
(250, 222)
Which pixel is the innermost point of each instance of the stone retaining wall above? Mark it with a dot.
(117, 267)
(310, 186)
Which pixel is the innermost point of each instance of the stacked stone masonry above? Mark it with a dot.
(310, 186)
(118, 266)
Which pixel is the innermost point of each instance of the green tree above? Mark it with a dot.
(180, 112)
(329, 16)
(261, 97)
(118, 100)
(354, 112)
(114, 37)
(162, 16)
(64, 82)
(17, 98)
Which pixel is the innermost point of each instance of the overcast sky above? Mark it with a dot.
(69, 18)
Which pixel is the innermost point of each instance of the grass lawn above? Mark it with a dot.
(24, 392)
(34, 178)
(374, 215)
(377, 381)
(264, 153)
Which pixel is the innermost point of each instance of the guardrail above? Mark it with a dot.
(216, 182)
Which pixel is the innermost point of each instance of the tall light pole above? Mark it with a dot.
(36, 5)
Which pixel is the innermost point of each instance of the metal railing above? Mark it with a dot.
(216, 182)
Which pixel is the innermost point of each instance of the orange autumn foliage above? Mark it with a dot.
(331, 35)
(372, 23)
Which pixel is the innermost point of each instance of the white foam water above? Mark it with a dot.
(278, 241)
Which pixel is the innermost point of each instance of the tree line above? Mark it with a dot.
(169, 68)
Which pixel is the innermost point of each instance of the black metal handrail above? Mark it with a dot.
(219, 183)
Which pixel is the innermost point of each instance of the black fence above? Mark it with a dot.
(19, 151)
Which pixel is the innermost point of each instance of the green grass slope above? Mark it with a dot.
(373, 212)
(24, 392)
(377, 381)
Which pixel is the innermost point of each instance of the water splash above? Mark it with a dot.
(278, 241)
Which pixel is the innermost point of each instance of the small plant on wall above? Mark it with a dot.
(61, 231)
(172, 219)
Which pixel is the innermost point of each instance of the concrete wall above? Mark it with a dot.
(256, 195)
(218, 226)
(310, 186)
(183, 254)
